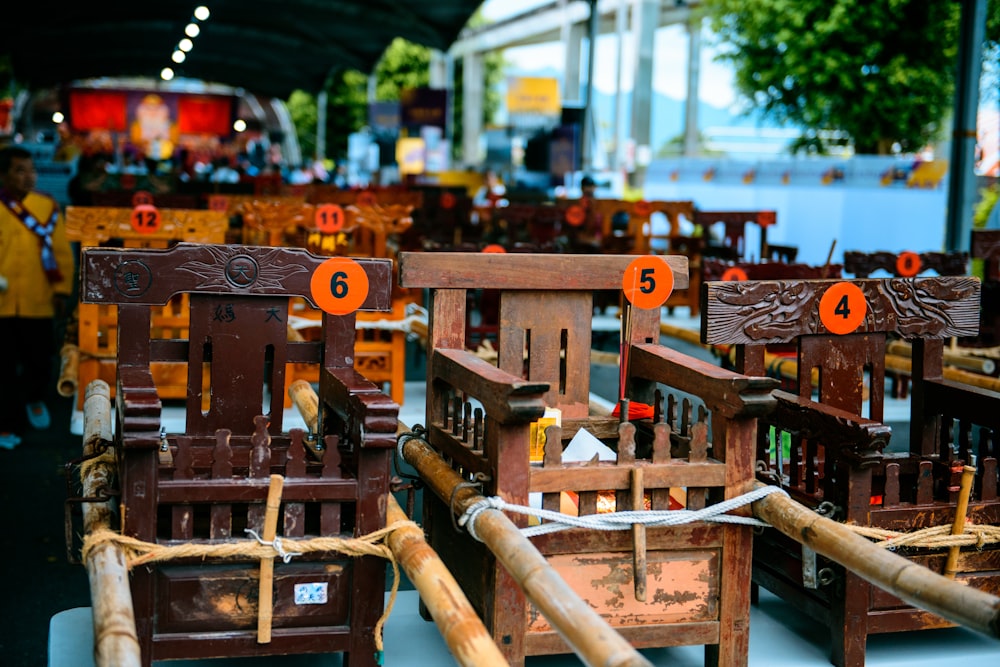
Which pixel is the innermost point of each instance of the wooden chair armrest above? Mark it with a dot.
(370, 415)
(843, 434)
(725, 392)
(958, 400)
(505, 397)
(139, 406)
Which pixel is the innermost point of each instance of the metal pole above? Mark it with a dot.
(962, 178)
(321, 102)
(586, 150)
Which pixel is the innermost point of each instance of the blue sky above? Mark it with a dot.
(669, 70)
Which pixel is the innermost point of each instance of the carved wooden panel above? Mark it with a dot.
(153, 276)
(762, 312)
(863, 264)
(94, 225)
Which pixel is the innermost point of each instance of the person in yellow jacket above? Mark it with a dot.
(36, 280)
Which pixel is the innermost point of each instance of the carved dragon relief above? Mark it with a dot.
(761, 312)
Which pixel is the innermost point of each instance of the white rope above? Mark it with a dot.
(717, 513)
(286, 556)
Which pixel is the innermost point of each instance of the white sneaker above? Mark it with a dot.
(38, 416)
(9, 440)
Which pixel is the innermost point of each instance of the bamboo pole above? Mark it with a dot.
(305, 399)
(116, 643)
(582, 628)
(914, 584)
(463, 631)
(265, 595)
(961, 509)
(69, 369)
(905, 365)
(788, 368)
(966, 362)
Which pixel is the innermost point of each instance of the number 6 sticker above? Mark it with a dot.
(648, 282)
(843, 308)
(339, 286)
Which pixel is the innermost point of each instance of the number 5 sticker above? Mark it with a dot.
(843, 308)
(339, 286)
(648, 282)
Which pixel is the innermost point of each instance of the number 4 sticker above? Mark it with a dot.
(339, 285)
(842, 308)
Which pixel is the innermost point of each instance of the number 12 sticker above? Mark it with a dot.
(843, 308)
(339, 286)
(145, 219)
(648, 282)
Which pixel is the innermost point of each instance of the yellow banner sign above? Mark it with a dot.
(533, 95)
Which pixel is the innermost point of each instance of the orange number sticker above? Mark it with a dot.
(366, 198)
(494, 247)
(329, 218)
(218, 203)
(142, 197)
(145, 219)
(908, 264)
(843, 308)
(642, 208)
(734, 273)
(575, 215)
(447, 200)
(339, 285)
(648, 282)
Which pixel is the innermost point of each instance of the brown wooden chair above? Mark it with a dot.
(696, 583)
(826, 443)
(732, 245)
(209, 482)
(96, 331)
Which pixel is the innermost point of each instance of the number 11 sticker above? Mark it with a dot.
(843, 308)
(648, 282)
(339, 286)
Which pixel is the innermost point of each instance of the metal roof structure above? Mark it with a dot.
(269, 47)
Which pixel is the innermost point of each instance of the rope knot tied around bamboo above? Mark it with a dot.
(276, 544)
(556, 521)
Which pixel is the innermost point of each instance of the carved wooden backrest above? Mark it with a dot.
(239, 298)
(863, 264)
(735, 223)
(546, 311)
(758, 313)
(95, 226)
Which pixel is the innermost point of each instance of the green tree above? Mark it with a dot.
(403, 65)
(347, 109)
(881, 71)
(302, 108)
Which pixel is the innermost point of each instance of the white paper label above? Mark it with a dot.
(310, 593)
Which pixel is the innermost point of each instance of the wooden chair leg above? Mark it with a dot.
(849, 623)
